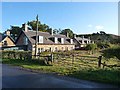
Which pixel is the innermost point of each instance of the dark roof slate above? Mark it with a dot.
(47, 37)
(2, 37)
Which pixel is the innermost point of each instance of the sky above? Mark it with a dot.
(81, 17)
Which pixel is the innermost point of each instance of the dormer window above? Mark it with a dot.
(68, 40)
(55, 39)
(25, 40)
(71, 41)
(40, 39)
(4, 43)
(62, 40)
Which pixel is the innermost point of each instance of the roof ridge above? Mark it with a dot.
(38, 31)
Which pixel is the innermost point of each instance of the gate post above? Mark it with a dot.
(52, 57)
(99, 61)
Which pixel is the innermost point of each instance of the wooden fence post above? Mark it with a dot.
(73, 58)
(99, 61)
(51, 57)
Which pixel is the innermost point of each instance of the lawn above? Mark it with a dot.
(84, 67)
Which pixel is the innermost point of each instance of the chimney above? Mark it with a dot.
(8, 33)
(67, 34)
(74, 35)
(89, 38)
(51, 32)
(82, 37)
(25, 27)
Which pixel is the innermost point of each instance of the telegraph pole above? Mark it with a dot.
(36, 41)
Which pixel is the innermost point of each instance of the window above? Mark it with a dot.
(50, 49)
(80, 41)
(42, 49)
(5, 43)
(56, 40)
(40, 39)
(62, 40)
(55, 48)
(85, 42)
(66, 48)
(71, 41)
(39, 50)
(25, 40)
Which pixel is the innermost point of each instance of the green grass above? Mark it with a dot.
(84, 67)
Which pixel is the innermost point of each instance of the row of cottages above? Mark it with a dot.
(6, 40)
(81, 42)
(47, 41)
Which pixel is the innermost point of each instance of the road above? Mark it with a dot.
(14, 77)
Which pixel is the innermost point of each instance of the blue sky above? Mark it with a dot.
(82, 17)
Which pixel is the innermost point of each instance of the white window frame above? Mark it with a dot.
(62, 40)
(56, 39)
(71, 41)
(40, 39)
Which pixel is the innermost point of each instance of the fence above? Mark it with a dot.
(69, 59)
(79, 60)
(75, 60)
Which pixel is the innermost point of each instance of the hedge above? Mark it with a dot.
(17, 55)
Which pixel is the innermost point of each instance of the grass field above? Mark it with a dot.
(84, 66)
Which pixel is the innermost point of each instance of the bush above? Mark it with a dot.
(91, 47)
(17, 54)
(112, 52)
(103, 45)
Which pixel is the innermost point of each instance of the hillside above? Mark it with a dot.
(102, 37)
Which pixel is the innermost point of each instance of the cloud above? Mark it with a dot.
(89, 25)
(99, 27)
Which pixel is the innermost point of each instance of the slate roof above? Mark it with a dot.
(2, 37)
(47, 37)
(79, 38)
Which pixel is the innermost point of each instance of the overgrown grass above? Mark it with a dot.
(84, 67)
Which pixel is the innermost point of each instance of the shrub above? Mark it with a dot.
(91, 47)
(112, 52)
(17, 54)
(103, 45)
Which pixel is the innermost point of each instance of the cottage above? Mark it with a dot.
(6, 40)
(81, 42)
(47, 41)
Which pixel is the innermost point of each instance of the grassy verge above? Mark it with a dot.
(80, 69)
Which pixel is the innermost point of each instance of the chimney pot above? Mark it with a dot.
(74, 35)
(83, 37)
(67, 34)
(51, 32)
(25, 27)
(8, 33)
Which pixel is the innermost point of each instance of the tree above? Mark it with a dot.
(102, 32)
(69, 31)
(57, 31)
(15, 31)
(103, 45)
(41, 27)
(112, 52)
(91, 47)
